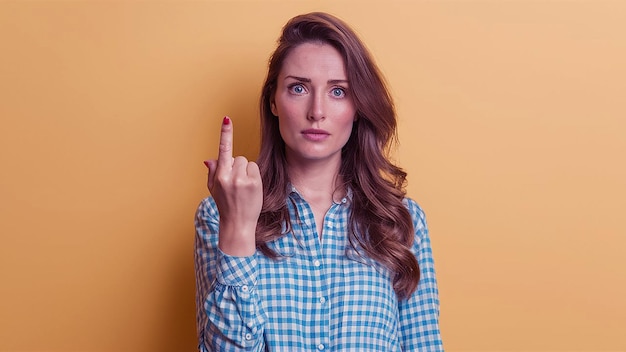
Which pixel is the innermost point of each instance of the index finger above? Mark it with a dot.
(225, 155)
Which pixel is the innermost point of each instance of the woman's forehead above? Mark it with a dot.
(314, 60)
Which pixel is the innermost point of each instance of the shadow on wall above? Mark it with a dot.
(241, 104)
(176, 330)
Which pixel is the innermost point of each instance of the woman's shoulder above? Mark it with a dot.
(414, 208)
(417, 213)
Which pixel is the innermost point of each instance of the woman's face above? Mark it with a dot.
(314, 104)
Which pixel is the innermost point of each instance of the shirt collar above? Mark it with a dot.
(346, 200)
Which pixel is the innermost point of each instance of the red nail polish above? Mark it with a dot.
(206, 163)
(226, 120)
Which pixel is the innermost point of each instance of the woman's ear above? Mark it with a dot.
(273, 103)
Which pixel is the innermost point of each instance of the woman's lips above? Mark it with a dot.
(315, 135)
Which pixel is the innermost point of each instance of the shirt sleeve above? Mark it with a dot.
(228, 311)
(419, 314)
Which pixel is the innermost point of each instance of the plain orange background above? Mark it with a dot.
(512, 128)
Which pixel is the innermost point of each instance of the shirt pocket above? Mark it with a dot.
(358, 260)
(286, 246)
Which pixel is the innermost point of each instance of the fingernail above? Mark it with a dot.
(206, 163)
(226, 120)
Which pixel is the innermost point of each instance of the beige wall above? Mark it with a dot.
(513, 130)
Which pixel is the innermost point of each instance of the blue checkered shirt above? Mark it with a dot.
(320, 296)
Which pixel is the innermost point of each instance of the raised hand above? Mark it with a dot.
(236, 187)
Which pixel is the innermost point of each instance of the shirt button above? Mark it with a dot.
(316, 263)
(320, 347)
(244, 288)
(322, 299)
(249, 337)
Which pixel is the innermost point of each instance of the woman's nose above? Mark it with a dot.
(317, 108)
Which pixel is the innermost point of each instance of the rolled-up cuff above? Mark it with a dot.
(236, 271)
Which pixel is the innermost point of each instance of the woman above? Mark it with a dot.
(316, 248)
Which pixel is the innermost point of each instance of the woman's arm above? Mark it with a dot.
(228, 312)
(419, 314)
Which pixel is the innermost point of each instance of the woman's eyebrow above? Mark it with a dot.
(301, 79)
(308, 80)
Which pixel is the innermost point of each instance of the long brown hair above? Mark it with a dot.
(379, 223)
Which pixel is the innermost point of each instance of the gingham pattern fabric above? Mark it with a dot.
(320, 296)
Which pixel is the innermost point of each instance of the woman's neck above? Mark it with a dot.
(317, 182)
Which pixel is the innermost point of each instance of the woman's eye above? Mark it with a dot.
(338, 92)
(298, 89)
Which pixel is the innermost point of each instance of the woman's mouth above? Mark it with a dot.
(315, 135)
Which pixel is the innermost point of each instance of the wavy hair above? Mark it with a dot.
(379, 224)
